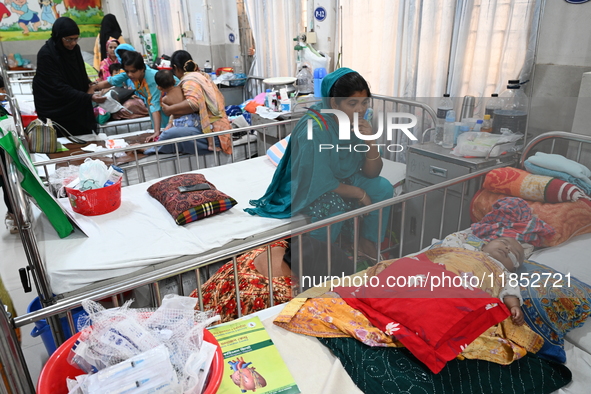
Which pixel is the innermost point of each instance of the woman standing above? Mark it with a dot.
(110, 30)
(111, 58)
(202, 97)
(326, 183)
(61, 88)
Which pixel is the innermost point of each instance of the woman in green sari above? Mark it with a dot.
(321, 183)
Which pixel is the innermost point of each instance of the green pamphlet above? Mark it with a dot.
(251, 360)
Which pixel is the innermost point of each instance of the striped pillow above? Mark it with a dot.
(190, 206)
(275, 153)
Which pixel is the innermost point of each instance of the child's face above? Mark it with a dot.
(111, 49)
(501, 247)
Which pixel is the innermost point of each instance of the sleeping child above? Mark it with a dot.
(172, 94)
(505, 252)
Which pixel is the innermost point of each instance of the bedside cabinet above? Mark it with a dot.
(428, 164)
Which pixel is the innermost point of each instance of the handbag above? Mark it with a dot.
(42, 137)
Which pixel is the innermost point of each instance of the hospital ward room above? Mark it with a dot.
(295, 196)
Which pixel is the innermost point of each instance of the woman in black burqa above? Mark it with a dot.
(110, 29)
(61, 87)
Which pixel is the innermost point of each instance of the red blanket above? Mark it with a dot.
(434, 323)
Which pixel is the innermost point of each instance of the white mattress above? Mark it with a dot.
(142, 233)
(571, 257)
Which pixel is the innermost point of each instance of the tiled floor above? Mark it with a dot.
(13, 258)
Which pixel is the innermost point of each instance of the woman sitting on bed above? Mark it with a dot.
(326, 183)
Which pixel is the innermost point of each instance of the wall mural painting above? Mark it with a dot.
(32, 19)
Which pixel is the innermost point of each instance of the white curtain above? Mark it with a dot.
(274, 24)
(163, 17)
(424, 48)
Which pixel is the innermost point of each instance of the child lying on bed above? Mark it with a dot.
(171, 95)
(507, 253)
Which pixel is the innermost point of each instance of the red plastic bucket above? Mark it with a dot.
(95, 201)
(52, 379)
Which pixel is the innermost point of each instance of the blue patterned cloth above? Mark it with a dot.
(553, 311)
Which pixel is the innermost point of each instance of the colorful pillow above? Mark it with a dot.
(567, 218)
(190, 206)
(275, 153)
(550, 310)
(519, 183)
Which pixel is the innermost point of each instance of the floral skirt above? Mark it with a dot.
(219, 293)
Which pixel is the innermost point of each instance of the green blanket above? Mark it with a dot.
(394, 370)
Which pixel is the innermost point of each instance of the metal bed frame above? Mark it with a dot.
(56, 307)
(64, 306)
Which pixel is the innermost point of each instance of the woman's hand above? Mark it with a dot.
(153, 137)
(165, 108)
(97, 98)
(364, 200)
(365, 127)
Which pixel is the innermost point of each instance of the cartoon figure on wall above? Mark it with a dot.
(245, 376)
(33, 19)
(27, 18)
(47, 15)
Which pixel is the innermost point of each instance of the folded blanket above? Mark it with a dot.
(512, 217)
(562, 164)
(519, 183)
(535, 169)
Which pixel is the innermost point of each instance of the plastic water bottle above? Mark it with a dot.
(449, 130)
(513, 116)
(207, 68)
(319, 74)
(494, 103)
(445, 105)
(237, 65)
(305, 81)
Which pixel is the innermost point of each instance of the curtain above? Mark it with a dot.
(423, 48)
(163, 17)
(274, 24)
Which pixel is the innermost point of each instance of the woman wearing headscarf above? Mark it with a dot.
(61, 88)
(323, 183)
(202, 97)
(110, 30)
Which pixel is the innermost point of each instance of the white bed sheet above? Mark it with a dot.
(145, 233)
(142, 233)
(571, 257)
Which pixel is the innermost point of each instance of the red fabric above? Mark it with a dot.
(434, 324)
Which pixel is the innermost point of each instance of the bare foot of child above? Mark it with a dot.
(211, 146)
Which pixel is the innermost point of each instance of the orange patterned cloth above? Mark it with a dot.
(568, 218)
(519, 183)
(328, 316)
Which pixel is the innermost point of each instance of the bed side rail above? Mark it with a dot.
(231, 253)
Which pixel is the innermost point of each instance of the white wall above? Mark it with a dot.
(564, 54)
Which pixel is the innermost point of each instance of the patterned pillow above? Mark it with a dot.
(190, 206)
(275, 153)
(552, 311)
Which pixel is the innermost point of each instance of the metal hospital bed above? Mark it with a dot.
(574, 149)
